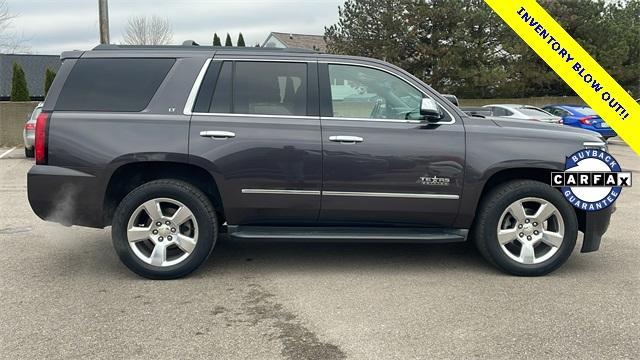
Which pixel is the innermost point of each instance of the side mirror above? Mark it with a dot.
(430, 110)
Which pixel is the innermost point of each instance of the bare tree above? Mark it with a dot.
(7, 39)
(142, 30)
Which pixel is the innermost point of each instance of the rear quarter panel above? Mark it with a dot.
(98, 143)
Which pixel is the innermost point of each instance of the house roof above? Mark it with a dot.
(304, 41)
(34, 67)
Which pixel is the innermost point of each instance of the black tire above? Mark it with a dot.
(29, 152)
(485, 232)
(196, 201)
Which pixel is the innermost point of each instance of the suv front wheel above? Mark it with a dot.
(164, 229)
(526, 228)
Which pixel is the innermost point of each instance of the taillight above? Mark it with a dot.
(42, 127)
(29, 126)
(588, 120)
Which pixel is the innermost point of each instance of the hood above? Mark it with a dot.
(538, 125)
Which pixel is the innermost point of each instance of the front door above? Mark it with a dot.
(255, 127)
(382, 164)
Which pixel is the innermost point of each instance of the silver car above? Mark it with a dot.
(523, 112)
(29, 132)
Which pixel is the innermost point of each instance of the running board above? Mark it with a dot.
(349, 234)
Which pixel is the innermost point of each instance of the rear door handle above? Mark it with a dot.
(218, 135)
(344, 139)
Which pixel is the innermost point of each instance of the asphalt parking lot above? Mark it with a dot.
(64, 294)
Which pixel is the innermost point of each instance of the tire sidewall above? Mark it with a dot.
(490, 230)
(207, 230)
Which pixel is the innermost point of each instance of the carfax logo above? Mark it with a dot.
(592, 179)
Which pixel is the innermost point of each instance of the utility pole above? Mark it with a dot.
(103, 10)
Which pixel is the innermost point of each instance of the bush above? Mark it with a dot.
(19, 90)
(49, 75)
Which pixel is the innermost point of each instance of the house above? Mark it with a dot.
(288, 40)
(34, 67)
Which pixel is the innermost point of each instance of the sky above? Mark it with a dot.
(53, 26)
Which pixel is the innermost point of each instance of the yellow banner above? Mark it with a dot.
(574, 65)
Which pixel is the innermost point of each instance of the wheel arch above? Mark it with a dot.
(540, 174)
(128, 176)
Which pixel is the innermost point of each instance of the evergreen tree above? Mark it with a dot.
(19, 91)
(228, 42)
(464, 48)
(49, 75)
(240, 41)
(216, 40)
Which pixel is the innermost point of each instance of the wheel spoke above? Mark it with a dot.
(137, 233)
(552, 238)
(527, 253)
(517, 211)
(186, 243)
(181, 215)
(506, 236)
(158, 255)
(544, 212)
(152, 207)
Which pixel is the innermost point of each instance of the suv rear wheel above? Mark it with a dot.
(164, 229)
(526, 228)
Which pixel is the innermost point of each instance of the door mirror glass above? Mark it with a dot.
(430, 110)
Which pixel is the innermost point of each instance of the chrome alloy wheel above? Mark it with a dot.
(530, 230)
(162, 232)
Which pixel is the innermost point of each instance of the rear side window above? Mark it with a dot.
(116, 85)
(270, 88)
(254, 87)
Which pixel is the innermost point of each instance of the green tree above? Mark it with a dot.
(228, 42)
(464, 48)
(373, 28)
(49, 75)
(19, 91)
(240, 41)
(216, 40)
(427, 38)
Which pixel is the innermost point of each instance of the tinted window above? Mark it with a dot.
(361, 92)
(112, 84)
(499, 111)
(267, 88)
(221, 102)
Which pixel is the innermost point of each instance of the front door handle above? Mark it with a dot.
(217, 135)
(344, 139)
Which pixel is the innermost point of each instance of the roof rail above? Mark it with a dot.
(191, 45)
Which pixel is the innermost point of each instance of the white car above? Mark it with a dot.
(523, 112)
(29, 132)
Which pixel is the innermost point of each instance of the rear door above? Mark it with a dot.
(382, 164)
(255, 125)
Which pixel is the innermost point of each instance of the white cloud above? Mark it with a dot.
(50, 27)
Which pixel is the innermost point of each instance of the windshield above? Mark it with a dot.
(532, 111)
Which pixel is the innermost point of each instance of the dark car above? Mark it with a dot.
(582, 117)
(173, 145)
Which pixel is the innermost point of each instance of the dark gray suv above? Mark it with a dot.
(173, 145)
